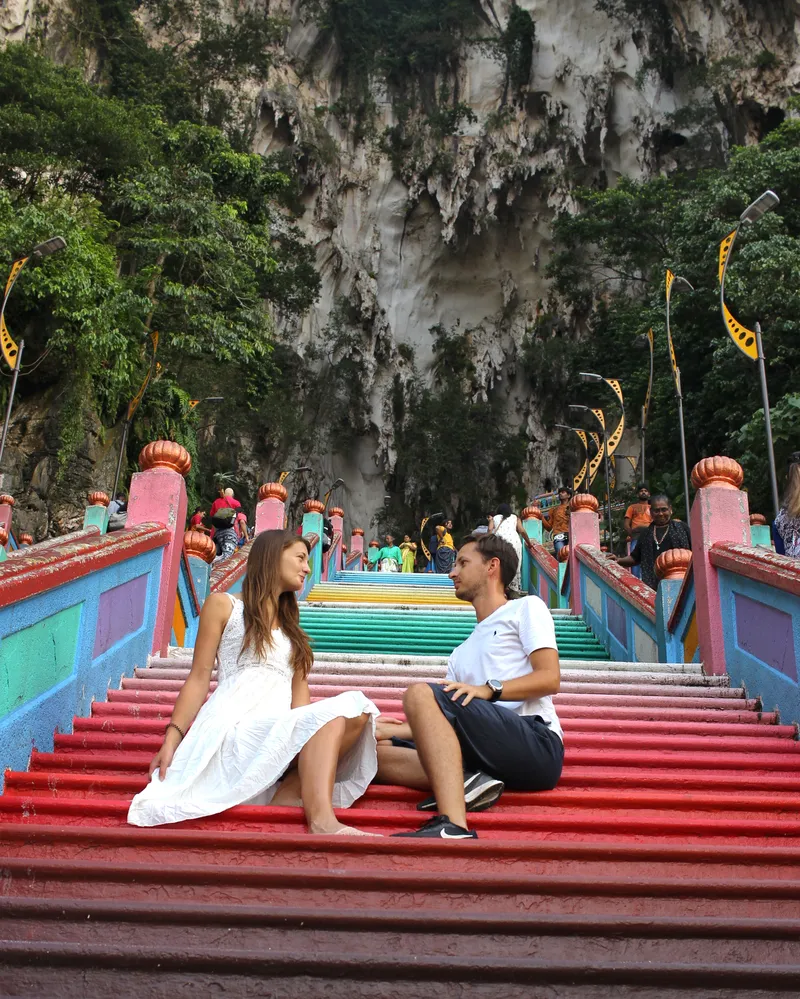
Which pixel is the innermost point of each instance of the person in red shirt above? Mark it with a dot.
(196, 522)
(225, 499)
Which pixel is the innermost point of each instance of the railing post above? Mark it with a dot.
(96, 514)
(760, 533)
(563, 564)
(584, 529)
(312, 524)
(531, 518)
(6, 511)
(719, 513)
(671, 569)
(357, 545)
(336, 514)
(271, 507)
(158, 495)
(200, 553)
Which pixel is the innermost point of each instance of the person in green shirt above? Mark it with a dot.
(390, 558)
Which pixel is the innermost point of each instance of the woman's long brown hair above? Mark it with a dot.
(260, 593)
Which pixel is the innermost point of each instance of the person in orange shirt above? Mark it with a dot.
(558, 520)
(637, 519)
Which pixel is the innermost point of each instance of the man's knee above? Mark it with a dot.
(416, 695)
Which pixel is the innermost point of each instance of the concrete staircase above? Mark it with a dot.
(666, 863)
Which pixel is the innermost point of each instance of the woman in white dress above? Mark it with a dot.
(260, 718)
(507, 526)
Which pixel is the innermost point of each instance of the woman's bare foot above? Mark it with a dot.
(337, 829)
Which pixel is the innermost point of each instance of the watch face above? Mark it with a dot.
(495, 685)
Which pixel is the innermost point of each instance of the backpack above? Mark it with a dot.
(224, 517)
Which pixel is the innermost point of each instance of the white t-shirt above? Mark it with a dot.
(498, 649)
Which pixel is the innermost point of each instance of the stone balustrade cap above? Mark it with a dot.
(532, 512)
(98, 498)
(673, 563)
(335, 511)
(563, 554)
(200, 545)
(273, 490)
(165, 454)
(3, 537)
(720, 471)
(314, 506)
(6, 499)
(584, 502)
(757, 519)
(359, 531)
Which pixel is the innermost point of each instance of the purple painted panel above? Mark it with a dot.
(120, 612)
(767, 634)
(617, 625)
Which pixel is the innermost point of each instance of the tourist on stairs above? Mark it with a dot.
(445, 549)
(557, 521)
(508, 526)
(636, 521)
(786, 527)
(249, 733)
(664, 533)
(409, 550)
(390, 558)
(492, 723)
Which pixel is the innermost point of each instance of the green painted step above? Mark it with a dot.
(406, 632)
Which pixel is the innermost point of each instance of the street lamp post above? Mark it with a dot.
(582, 477)
(749, 341)
(600, 417)
(12, 351)
(673, 281)
(640, 341)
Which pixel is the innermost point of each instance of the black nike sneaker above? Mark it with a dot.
(440, 827)
(480, 792)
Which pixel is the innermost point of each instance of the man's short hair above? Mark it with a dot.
(491, 546)
(641, 486)
(565, 489)
(662, 497)
(229, 492)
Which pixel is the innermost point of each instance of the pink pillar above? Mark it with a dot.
(6, 511)
(336, 514)
(584, 529)
(158, 495)
(271, 507)
(719, 513)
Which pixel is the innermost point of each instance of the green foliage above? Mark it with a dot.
(168, 227)
(608, 268)
(652, 19)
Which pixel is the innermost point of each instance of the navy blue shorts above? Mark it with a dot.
(520, 750)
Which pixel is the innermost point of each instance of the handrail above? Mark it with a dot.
(631, 589)
(35, 571)
(190, 582)
(758, 564)
(352, 557)
(543, 558)
(48, 543)
(227, 572)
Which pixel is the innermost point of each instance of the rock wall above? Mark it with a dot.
(466, 242)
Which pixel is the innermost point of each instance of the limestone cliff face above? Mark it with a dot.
(469, 243)
(456, 230)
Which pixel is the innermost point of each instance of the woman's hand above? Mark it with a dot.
(162, 761)
(387, 727)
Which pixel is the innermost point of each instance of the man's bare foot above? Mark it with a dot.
(337, 829)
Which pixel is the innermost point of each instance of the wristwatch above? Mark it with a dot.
(496, 688)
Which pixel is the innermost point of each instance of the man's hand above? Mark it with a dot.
(470, 691)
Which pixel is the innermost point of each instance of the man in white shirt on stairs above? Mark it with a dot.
(492, 723)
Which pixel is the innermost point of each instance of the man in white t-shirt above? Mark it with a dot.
(492, 723)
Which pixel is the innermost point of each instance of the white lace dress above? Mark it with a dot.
(247, 734)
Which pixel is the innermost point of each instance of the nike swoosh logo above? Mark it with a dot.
(446, 835)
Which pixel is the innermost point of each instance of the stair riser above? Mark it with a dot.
(641, 902)
(555, 948)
